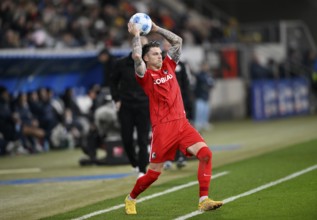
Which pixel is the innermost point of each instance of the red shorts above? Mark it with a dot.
(170, 136)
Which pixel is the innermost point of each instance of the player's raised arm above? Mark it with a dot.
(176, 41)
(139, 64)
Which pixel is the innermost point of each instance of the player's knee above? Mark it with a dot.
(204, 154)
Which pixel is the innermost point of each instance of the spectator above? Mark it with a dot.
(48, 116)
(32, 135)
(101, 121)
(52, 24)
(295, 60)
(133, 109)
(204, 84)
(257, 70)
(10, 123)
(107, 61)
(88, 103)
(273, 69)
(66, 134)
(34, 103)
(231, 31)
(310, 64)
(11, 39)
(69, 102)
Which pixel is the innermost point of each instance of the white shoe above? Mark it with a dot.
(21, 150)
(168, 165)
(135, 169)
(140, 174)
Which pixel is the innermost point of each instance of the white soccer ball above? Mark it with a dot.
(143, 22)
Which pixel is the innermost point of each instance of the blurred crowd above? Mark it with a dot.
(296, 64)
(93, 23)
(39, 120)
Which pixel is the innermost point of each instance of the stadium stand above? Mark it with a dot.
(54, 45)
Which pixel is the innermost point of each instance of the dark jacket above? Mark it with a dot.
(182, 75)
(7, 123)
(124, 86)
(204, 83)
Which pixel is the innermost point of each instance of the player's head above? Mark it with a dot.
(104, 55)
(152, 55)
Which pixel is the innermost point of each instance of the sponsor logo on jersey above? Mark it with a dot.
(165, 71)
(163, 79)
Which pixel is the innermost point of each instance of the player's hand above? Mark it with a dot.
(154, 27)
(133, 29)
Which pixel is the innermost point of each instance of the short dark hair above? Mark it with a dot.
(146, 48)
(104, 51)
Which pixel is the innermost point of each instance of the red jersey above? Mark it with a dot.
(161, 86)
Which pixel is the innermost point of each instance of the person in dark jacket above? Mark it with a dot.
(204, 84)
(133, 110)
(10, 123)
(107, 60)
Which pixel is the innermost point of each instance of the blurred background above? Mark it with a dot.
(56, 58)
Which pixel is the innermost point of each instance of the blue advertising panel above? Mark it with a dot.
(279, 98)
(301, 94)
(270, 99)
(31, 73)
(285, 97)
(257, 100)
(264, 99)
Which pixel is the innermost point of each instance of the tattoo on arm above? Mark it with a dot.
(136, 45)
(139, 67)
(139, 64)
(175, 41)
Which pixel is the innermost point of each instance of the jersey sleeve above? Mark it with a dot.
(170, 62)
(142, 80)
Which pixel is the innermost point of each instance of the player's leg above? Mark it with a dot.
(126, 120)
(141, 185)
(163, 147)
(204, 155)
(142, 121)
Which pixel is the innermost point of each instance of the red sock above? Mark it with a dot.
(144, 182)
(204, 156)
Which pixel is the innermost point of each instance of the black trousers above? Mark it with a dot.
(135, 117)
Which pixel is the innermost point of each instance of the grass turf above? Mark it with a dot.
(293, 199)
(35, 201)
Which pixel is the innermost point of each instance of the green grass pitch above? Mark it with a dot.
(268, 151)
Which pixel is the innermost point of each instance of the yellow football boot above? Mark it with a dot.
(208, 204)
(130, 206)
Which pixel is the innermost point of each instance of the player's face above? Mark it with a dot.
(154, 58)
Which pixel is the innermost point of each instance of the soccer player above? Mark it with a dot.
(170, 128)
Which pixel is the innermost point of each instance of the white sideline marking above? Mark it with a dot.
(173, 189)
(26, 170)
(230, 199)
